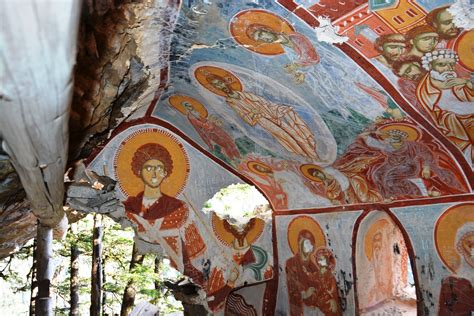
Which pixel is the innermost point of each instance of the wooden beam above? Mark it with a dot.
(38, 40)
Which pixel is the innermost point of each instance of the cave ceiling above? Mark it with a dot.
(314, 115)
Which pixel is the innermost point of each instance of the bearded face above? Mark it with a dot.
(411, 71)
(442, 69)
(444, 25)
(393, 50)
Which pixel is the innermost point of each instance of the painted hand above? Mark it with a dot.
(426, 173)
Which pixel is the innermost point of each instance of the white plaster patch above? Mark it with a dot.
(326, 32)
(463, 13)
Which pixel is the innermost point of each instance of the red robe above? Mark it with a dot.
(456, 297)
(174, 211)
(211, 134)
(303, 274)
(304, 49)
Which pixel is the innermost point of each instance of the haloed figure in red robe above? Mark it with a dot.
(299, 48)
(161, 218)
(310, 279)
(152, 163)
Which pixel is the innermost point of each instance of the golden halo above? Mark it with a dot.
(306, 169)
(177, 101)
(305, 222)
(129, 183)
(413, 133)
(254, 165)
(465, 47)
(445, 231)
(227, 238)
(374, 228)
(241, 22)
(202, 72)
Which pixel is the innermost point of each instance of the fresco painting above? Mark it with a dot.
(383, 268)
(443, 250)
(154, 170)
(315, 279)
(251, 95)
(248, 301)
(426, 56)
(454, 238)
(266, 33)
(256, 113)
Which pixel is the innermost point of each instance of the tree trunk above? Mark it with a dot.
(104, 293)
(74, 286)
(96, 272)
(158, 286)
(34, 280)
(44, 252)
(129, 293)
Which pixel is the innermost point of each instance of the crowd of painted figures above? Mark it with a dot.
(431, 76)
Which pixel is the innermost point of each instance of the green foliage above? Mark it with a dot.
(117, 245)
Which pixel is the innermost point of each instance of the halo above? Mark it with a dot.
(240, 23)
(252, 164)
(464, 46)
(129, 183)
(177, 100)
(227, 238)
(305, 170)
(445, 231)
(413, 133)
(305, 222)
(202, 72)
(374, 228)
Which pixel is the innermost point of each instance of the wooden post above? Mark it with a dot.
(96, 271)
(38, 39)
(44, 251)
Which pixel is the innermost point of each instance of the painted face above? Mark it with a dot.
(442, 65)
(467, 247)
(265, 36)
(262, 169)
(219, 84)
(395, 139)
(322, 261)
(394, 50)
(444, 25)
(411, 71)
(425, 42)
(153, 172)
(377, 242)
(318, 174)
(188, 106)
(307, 246)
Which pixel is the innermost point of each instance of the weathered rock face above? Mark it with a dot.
(10, 185)
(109, 73)
(17, 226)
(17, 222)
